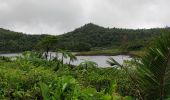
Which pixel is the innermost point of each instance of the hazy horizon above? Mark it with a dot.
(61, 16)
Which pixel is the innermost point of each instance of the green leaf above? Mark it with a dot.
(45, 91)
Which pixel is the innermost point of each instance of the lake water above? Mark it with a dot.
(100, 60)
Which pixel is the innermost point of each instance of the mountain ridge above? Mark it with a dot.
(87, 37)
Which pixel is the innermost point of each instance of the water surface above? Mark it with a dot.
(100, 60)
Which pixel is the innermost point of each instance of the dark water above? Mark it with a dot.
(100, 60)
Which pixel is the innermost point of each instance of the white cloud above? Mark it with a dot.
(59, 16)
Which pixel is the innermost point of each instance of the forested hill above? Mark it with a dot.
(91, 36)
(87, 37)
(16, 42)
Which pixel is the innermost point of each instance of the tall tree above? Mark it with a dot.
(46, 44)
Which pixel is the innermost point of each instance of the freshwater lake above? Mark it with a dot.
(100, 60)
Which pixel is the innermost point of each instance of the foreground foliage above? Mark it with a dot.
(154, 70)
(33, 77)
(150, 74)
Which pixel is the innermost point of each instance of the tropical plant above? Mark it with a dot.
(72, 57)
(88, 64)
(113, 62)
(125, 77)
(3, 58)
(151, 74)
(46, 44)
(64, 55)
(154, 70)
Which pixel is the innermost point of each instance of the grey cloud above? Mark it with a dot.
(59, 16)
(132, 13)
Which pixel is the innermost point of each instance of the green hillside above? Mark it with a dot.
(16, 42)
(86, 38)
(91, 36)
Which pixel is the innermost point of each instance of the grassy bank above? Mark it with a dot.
(110, 53)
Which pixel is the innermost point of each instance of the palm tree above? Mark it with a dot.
(88, 64)
(46, 44)
(154, 70)
(63, 55)
(72, 57)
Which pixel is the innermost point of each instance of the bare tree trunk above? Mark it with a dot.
(62, 60)
(70, 61)
(46, 54)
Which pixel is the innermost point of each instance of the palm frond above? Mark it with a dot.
(154, 70)
(113, 62)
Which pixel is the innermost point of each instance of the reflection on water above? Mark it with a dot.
(100, 60)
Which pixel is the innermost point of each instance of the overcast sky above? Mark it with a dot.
(59, 16)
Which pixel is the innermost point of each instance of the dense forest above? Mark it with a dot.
(93, 36)
(86, 38)
(17, 42)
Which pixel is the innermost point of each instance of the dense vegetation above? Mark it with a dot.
(85, 38)
(91, 37)
(16, 42)
(32, 76)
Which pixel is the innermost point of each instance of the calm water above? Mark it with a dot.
(100, 60)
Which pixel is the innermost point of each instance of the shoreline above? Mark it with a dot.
(98, 53)
(93, 53)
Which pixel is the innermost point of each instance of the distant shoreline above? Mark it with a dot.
(98, 53)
